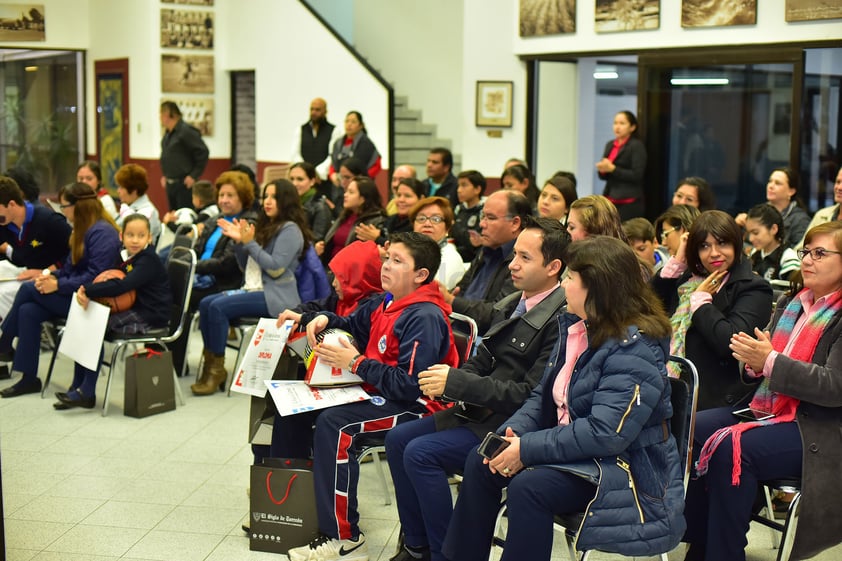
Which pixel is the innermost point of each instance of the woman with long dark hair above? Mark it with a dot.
(94, 247)
(623, 165)
(268, 252)
(602, 408)
(362, 205)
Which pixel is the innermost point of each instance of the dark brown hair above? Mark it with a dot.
(617, 296)
(723, 228)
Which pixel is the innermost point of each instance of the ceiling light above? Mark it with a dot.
(699, 81)
(605, 75)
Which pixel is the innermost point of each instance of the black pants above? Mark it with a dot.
(178, 195)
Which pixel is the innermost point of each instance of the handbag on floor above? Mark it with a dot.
(282, 505)
(149, 383)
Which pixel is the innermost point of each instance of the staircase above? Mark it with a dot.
(414, 139)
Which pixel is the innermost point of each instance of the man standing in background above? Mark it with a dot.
(184, 156)
(316, 139)
(440, 180)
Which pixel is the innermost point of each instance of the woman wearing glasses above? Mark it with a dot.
(94, 247)
(674, 222)
(798, 365)
(711, 292)
(433, 217)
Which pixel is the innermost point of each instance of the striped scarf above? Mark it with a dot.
(782, 406)
(680, 321)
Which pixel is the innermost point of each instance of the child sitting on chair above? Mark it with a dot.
(146, 275)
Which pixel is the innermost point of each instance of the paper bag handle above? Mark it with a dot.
(292, 478)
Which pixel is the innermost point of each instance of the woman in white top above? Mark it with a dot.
(433, 217)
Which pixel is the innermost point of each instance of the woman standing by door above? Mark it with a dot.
(623, 165)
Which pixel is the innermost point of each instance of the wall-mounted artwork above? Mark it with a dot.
(186, 29)
(189, 2)
(547, 17)
(22, 22)
(627, 15)
(718, 13)
(806, 10)
(186, 73)
(494, 104)
(196, 111)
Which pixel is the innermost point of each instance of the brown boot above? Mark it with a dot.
(203, 375)
(215, 365)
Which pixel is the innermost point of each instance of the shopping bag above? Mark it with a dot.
(282, 505)
(149, 383)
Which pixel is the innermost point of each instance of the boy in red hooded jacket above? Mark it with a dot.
(402, 332)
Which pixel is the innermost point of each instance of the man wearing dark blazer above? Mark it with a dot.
(440, 180)
(184, 157)
(487, 389)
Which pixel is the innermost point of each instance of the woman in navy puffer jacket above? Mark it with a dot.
(593, 436)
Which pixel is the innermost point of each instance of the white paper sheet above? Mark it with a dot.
(84, 333)
(292, 397)
(261, 357)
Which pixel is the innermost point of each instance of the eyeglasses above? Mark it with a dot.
(492, 218)
(665, 233)
(68, 205)
(435, 219)
(816, 254)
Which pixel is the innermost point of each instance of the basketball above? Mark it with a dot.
(121, 302)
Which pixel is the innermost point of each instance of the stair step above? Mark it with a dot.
(406, 126)
(405, 113)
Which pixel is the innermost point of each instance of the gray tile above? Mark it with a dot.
(174, 546)
(128, 515)
(144, 449)
(237, 547)
(204, 520)
(27, 440)
(108, 466)
(50, 462)
(13, 501)
(77, 444)
(32, 534)
(31, 482)
(157, 492)
(20, 554)
(98, 540)
(65, 556)
(214, 494)
(169, 470)
(57, 509)
(89, 486)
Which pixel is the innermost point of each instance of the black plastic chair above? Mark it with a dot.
(788, 527)
(181, 268)
(464, 335)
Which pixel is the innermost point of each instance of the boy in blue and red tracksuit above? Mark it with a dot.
(403, 331)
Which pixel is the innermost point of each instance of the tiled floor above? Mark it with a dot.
(172, 487)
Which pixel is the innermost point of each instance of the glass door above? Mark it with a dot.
(729, 121)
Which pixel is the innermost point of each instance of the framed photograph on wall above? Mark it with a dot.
(196, 111)
(547, 17)
(703, 13)
(494, 104)
(22, 22)
(186, 29)
(186, 73)
(621, 15)
(809, 10)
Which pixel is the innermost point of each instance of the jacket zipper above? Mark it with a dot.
(626, 468)
(588, 508)
(635, 399)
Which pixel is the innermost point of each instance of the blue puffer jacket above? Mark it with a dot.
(619, 401)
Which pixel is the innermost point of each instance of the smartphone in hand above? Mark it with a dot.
(492, 445)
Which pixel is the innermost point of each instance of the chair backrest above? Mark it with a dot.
(181, 269)
(684, 398)
(464, 335)
(186, 236)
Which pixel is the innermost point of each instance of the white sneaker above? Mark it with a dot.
(324, 548)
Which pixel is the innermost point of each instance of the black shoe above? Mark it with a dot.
(246, 529)
(23, 387)
(7, 356)
(61, 396)
(405, 555)
(78, 401)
